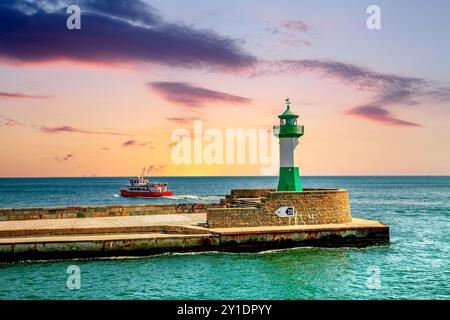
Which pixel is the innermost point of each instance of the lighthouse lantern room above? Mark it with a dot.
(288, 132)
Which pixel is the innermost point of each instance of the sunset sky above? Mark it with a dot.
(104, 100)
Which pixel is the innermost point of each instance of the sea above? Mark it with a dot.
(415, 265)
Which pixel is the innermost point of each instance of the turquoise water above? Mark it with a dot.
(416, 265)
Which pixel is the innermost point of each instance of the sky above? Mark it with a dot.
(108, 99)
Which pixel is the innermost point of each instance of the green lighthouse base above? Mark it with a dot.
(289, 179)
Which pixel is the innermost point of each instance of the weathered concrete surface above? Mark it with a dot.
(358, 232)
(143, 223)
(88, 246)
(186, 234)
(7, 214)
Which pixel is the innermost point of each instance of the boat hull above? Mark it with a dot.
(144, 194)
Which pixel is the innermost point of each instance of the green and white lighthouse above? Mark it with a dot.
(288, 132)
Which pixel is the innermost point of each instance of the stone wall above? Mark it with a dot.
(320, 206)
(234, 217)
(102, 211)
(250, 193)
(245, 193)
(312, 206)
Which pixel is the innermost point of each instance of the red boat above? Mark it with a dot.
(141, 187)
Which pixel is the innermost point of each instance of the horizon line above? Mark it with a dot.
(226, 176)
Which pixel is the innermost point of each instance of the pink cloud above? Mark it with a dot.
(68, 129)
(182, 120)
(155, 169)
(379, 114)
(135, 143)
(295, 25)
(67, 157)
(15, 95)
(186, 94)
(9, 122)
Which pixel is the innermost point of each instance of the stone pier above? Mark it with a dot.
(245, 220)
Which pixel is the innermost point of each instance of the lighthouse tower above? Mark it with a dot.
(288, 132)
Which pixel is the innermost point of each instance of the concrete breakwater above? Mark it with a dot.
(112, 238)
(245, 220)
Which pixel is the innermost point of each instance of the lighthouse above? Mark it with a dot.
(288, 132)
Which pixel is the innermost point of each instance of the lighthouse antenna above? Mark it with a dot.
(288, 103)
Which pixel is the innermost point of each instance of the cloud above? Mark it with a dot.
(155, 169)
(9, 122)
(439, 94)
(135, 143)
(65, 129)
(387, 89)
(296, 42)
(183, 93)
(295, 25)
(379, 114)
(112, 32)
(182, 120)
(187, 133)
(135, 11)
(364, 78)
(15, 95)
(287, 33)
(67, 157)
